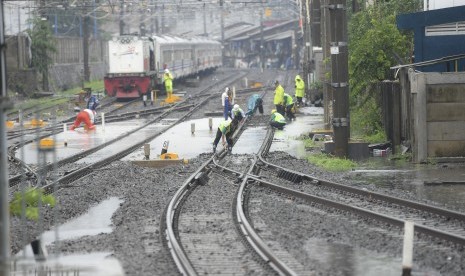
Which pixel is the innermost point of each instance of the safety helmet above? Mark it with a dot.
(236, 107)
(226, 89)
(167, 71)
(273, 111)
(276, 82)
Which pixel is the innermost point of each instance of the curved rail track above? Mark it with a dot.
(193, 252)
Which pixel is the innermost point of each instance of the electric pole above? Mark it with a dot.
(306, 66)
(222, 31)
(339, 76)
(85, 45)
(121, 15)
(204, 21)
(4, 209)
(262, 46)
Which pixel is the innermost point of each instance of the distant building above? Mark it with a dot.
(441, 4)
(17, 15)
(438, 33)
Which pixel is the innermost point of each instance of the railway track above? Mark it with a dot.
(67, 175)
(195, 248)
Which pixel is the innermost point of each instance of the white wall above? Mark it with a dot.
(441, 4)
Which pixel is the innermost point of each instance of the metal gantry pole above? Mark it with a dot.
(4, 209)
(339, 76)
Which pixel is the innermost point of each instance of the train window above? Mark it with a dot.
(177, 54)
(166, 56)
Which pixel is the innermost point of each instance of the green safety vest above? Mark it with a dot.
(277, 117)
(289, 99)
(225, 126)
(299, 87)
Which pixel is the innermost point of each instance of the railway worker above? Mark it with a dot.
(226, 103)
(88, 117)
(299, 89)
(223, 132)
(277, 120)
(168, 79)
(93, 102)
(237, 115)
(279, 98)
(289, 102)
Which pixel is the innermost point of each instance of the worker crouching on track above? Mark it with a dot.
(88, 117)
(289, 102)
(277, 120)
(223, 132)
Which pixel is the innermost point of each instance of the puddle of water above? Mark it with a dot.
(182, 141)
(286, 140)
(412, 178)
(354, 261)
(96, 221)
(79, 140)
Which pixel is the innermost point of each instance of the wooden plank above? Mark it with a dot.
(446, 131)
(446, 148)
(445, 112)
(443, 93)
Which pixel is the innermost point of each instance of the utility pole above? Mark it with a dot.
(262, 44)
(162, 25)
(325, 40)
(204, 21)
(316, 25)
(85, 45)
(121, 15)
(339, 76)
(222, 31)
(307, 50)
(4, 209)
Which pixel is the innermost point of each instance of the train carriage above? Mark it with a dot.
(136, 64)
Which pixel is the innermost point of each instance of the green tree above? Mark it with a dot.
(375, 45)
(42, 47)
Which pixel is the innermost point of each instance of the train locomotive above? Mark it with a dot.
(136, 63)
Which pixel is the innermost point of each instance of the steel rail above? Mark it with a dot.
(178, 254)
(366, 213)
(88, 169)
(374, 195)
(394, 221)
(247, 229)
(15, 179)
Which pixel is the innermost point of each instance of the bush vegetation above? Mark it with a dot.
(375, 44)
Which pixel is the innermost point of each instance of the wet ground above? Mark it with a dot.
(330, 246)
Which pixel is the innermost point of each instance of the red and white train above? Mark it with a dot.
(136, 64)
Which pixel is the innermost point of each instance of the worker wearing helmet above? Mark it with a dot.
(289, 102)
(277, 120)
(299, 89)
(223, 132)
(168, 79)
(88, 117)
(237, 115)
(279, 98)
